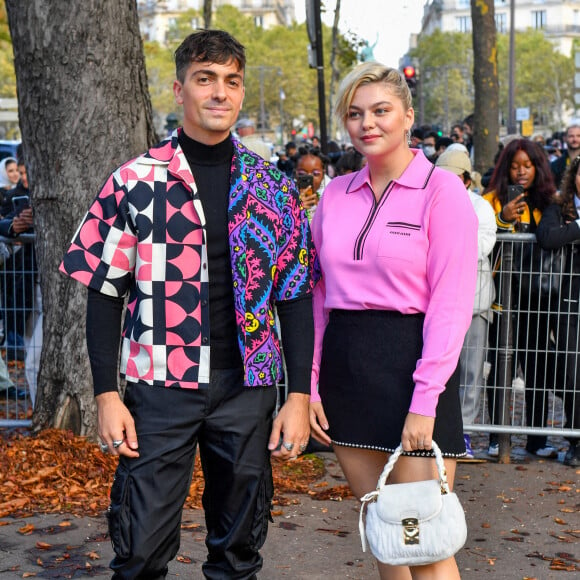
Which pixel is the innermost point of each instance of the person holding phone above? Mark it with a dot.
(520, 189)
(560, 227)
(310, 177)
(20, 268)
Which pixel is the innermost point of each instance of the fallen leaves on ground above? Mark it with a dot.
(58, 472)
(562, 561)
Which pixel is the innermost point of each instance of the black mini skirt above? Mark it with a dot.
(366, 382)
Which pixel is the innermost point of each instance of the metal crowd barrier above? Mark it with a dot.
(20, 330)
(532, 358)
(532, 361)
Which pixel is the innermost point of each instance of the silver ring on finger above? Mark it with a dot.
(117, 443)
(303, 447)
(288, 446)
(104, 447)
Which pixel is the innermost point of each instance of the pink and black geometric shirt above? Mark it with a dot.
(144, 236)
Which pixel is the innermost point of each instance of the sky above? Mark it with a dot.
(389, 23)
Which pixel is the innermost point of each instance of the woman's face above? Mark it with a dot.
(377, 120)
(311, 165)
(12, 172)
(522, 170)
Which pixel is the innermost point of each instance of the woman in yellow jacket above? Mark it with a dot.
(524, 164)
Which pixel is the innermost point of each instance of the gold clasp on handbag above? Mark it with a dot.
(410, 530)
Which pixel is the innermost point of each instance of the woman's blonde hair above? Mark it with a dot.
(367, 73)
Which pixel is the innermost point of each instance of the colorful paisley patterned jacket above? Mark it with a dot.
(144, 235)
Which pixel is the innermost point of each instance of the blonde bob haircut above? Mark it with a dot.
(365, 74)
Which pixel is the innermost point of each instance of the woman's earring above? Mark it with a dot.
(408, 135)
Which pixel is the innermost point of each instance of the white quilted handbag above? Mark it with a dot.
(412, 524)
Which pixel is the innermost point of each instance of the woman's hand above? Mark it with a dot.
(319, 423)
(417, 432)
(308, 197)
(512, 210)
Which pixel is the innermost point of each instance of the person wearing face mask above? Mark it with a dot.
(523, 163)
(429, 145)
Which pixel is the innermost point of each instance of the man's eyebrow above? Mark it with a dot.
(211, 73)
(202, 71)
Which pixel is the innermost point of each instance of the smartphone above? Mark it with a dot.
(304, 181)
(20, 202)
(514, 191)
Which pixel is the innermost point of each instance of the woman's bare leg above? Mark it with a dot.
(362, 468)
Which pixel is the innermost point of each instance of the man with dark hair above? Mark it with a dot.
(206, 239)
(287, 158)
(468, 127)
(559, 165)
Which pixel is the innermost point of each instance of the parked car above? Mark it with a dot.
(9, 149)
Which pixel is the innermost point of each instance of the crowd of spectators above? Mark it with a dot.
(549, 159)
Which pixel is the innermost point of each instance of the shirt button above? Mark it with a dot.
(204, 340)
(204, 302)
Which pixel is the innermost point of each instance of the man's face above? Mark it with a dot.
(573, 138)
(23, 175)
(211, 95)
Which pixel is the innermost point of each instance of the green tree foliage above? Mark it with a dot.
(277, 60)
(160, 77)
(444, 64)
(277, 63)
(544, 77)
(7, 75)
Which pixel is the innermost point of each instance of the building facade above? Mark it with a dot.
(157, 16)
(558, 19)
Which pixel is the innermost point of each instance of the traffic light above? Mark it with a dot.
(410, 75)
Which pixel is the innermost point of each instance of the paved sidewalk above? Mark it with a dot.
(517, 514)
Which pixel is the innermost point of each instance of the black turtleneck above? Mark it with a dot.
(211, 167)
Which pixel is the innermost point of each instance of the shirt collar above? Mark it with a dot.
(415, 176)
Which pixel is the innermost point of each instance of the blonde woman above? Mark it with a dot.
(397, 246)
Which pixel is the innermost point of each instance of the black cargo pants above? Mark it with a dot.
(232, 425)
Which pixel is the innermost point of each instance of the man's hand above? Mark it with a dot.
(23, 221)
(115, 424)
(292, 424)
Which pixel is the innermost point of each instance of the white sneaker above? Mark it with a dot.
(547, 452)
(493, 450)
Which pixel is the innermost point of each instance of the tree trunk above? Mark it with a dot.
(84, 109)
(207, 14)
(485, 81)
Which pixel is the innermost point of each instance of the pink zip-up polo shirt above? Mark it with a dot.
(415, 251)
